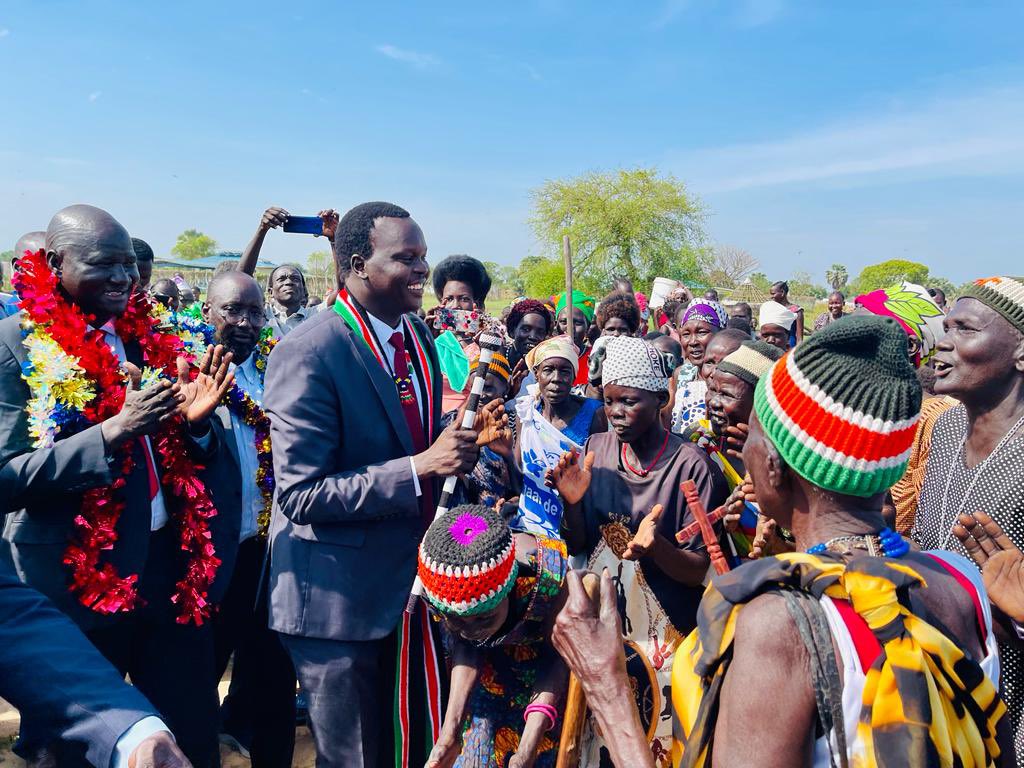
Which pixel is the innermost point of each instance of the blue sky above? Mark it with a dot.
(813, 132)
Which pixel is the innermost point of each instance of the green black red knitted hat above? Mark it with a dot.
(751, 361)
(842, 408)
(1004, 294)
(467, 561)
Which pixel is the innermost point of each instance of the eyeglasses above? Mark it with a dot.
(236, 315)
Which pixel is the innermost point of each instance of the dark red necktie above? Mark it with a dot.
(154, 480)
(413, 419)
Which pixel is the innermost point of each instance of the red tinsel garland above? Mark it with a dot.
(99, 586)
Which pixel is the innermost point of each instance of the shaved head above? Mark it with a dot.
(229, 281)
(94, 260)
(30, 241)
(234, 307)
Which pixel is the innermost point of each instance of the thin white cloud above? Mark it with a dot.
(415, 58)
(757, 13)
(95, 95)
(670, 11)
(971, 135)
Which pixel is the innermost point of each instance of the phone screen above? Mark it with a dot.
(305, 225)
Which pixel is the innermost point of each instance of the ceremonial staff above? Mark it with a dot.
(489, 344)
(689, 489)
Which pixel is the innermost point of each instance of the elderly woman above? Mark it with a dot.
(903, 632)
(546, 423)
(697, 325)
(623, 508)
(977, 450)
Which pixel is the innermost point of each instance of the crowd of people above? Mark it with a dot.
(805, 535)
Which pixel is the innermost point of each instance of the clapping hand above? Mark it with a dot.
(570, 477)
(207, 390)
(492, 428)
(1001, 562)
(643, 541)
(735, 439)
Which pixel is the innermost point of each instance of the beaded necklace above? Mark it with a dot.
(885, 543)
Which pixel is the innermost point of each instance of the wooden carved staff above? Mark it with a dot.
(696, 506)
(687, 532)
(575, 701)
(567, 263)
(489, 344)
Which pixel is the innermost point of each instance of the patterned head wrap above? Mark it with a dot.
(584, 303)
(632, 362)
(499, 366)
(773, 313)
(556, 346)
(915, 311)
(467, 561)
(751, 361)
(710, 312)
(842, 408)
(1003, 294)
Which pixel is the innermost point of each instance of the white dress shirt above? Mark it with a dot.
(281, 323)
(248, 380)
(158, 510)
(384, 332)
(134, 736)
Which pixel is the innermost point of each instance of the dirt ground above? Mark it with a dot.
(305, 756)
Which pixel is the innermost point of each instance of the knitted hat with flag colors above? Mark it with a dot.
(842, 408)
(467, 561)
(1003, 294)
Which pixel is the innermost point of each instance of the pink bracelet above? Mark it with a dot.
(545, 709)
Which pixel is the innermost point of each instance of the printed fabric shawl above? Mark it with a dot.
(924, 702)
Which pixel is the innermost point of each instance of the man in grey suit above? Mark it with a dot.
(92, 256)
(354, 398)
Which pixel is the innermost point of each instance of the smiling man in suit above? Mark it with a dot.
(259, 711)
(354, 397)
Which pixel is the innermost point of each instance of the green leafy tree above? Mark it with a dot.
(946, 286)
(761, 281)
(543, 278)
(888, 273)
(193, 244)
(837, 277)
(320, 264)
(636, 223)
(801, 284)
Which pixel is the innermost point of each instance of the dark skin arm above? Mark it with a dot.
(571, 478)
(465, 671)
(272, 217)
(686, 566)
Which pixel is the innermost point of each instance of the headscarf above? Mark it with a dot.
(584, 303)
(912, 307)
(556, 346)
(633, 362)
(773, 313)
(499, 366)
(710, 312)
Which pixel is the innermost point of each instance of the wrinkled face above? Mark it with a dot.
(774, 499)
(720, 347)
(397, 268)
(99, 274)
(458, 295)
(695, 335)
(235, 310)
(579, 326)
(730, 401)
(530, 332)
(978, 354)
(775, 335)
(286, 286)
(555, 377)
(631, 411)
(835, 306)
(616, 326)
(481, 627)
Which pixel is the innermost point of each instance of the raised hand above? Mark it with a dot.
(203, 394)
(735, 439)
(492, 427)
(158, 751)
(570, 477)
(519, 373)
(273, 217)
(589, 636)
(143, 411)
(330, 219)
(1001, 561)
(643, 540)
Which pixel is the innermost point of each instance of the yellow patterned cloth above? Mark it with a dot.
(924, 701)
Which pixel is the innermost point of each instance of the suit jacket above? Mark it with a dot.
(54, 676)
(47, 487)
(346, 523)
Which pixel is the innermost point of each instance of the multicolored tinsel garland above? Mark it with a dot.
(197, 336)
(76, 380)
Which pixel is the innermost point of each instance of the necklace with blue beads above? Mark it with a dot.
(885, 543)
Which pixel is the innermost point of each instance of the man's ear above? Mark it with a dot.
(205, 309)
(55, 261)
(662, 399)
(778, 472)
(1018, 355)
(357, 265)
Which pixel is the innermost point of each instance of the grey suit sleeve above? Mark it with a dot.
(306, 430)
(50, 672)
(29, 474)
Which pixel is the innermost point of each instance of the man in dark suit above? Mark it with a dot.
(170, 662)
(354, 397)
(258, 713)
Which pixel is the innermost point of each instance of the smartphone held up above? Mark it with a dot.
(304, 225)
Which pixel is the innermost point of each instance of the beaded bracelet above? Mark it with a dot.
(545, 709)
